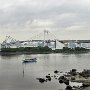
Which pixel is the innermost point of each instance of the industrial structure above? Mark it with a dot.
(53, 43)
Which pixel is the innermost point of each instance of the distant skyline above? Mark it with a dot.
(67, 19)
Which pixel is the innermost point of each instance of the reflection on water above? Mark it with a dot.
(16, 75)
(25, 63)
(23, 72)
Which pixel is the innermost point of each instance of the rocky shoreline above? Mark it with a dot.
(81, 80)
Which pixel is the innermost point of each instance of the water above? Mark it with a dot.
(14, 75)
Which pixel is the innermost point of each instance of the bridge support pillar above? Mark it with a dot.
(55, 44)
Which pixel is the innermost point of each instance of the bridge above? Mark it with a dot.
(47, 39)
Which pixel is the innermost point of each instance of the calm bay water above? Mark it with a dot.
(14, 75)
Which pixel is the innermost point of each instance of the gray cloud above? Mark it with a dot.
(18, 17)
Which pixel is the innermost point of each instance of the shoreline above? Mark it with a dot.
(20, 53)
(25, 52)
(43, 50)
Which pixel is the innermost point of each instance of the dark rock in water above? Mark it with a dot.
(66, 82)
(56, 71)
(68, 87)
(61, 77)
(85, 85)
(61, 81)
(73, 72)
(41, 80)
(85, 73)
(48, 77)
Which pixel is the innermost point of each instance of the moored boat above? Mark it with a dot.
(30, 60)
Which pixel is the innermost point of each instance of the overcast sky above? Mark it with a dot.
(67, 19)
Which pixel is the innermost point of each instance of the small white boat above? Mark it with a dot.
(30, 60)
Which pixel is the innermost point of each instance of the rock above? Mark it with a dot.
(73, 72)
(85, 85)
(72, 78)
(85, 73)
(66, 82)
(41, 80)
(68, 87)
(48, 77)
(61, 77)
(60, 81)
(56, 71)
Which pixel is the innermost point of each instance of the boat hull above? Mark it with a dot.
(29, 60)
